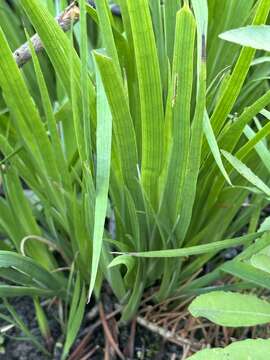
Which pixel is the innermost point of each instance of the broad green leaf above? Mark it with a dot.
(240, 350)
(257, 37)
(231, 309)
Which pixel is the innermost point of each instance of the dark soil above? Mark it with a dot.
(148, 345)
(14, 345)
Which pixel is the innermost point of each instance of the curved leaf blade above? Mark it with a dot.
(256, 37)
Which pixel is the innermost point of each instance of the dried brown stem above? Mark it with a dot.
(108, 333)
(89, 333)
(166, 334)
(129, 349)
(70, 15)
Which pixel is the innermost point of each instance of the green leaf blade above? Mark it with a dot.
(231, 309)
(152, 116)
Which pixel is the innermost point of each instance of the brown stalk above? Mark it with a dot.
(108, 333)
(70, 15)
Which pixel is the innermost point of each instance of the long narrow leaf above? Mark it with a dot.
(104, 136)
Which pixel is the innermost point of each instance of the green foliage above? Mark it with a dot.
(231, 309)
(75, 315)
(242, 350)
(141, 110)
(257, 37)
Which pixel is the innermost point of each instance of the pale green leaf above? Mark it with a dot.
(257, 37)
(241, 350)
(231, 309)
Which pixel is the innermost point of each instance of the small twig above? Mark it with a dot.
(108, 333)
(89, 332)
(185, 352)
(70, 15)
(91, 352)
(166, 334)
(107, 354)
(129, 350)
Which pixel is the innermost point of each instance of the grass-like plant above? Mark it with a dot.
(229, 308)
(134, 130)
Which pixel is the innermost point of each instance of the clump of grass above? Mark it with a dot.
(133, 123)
